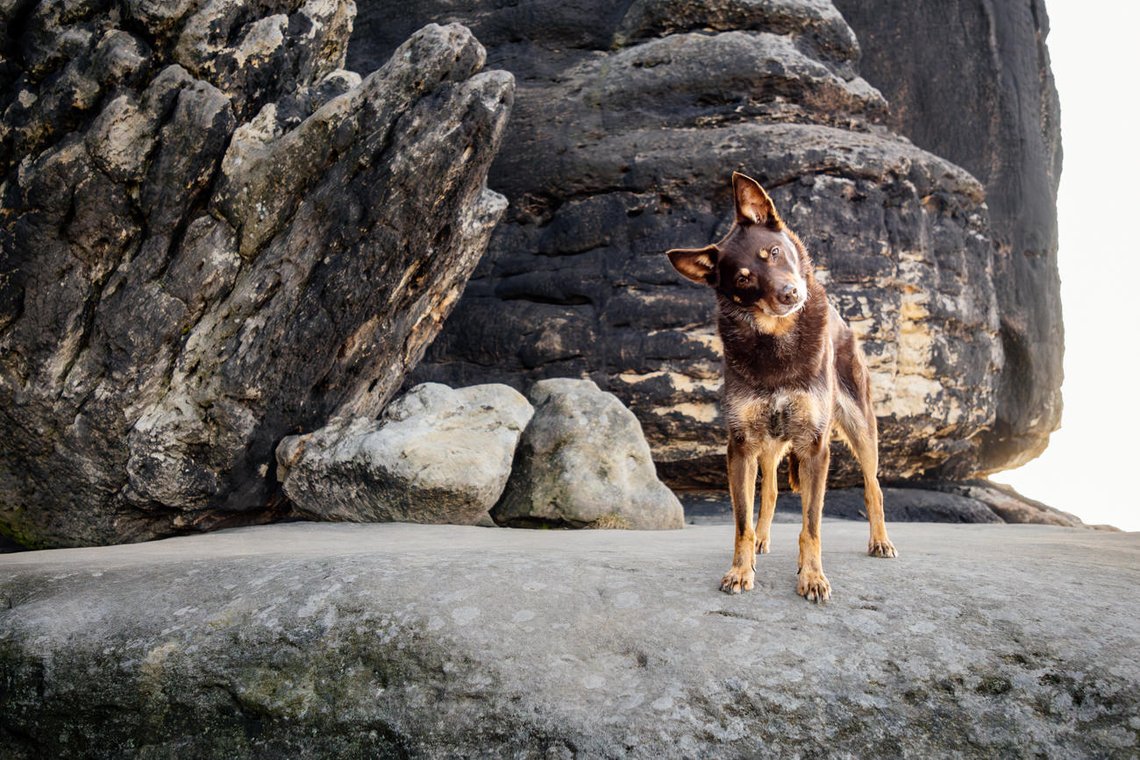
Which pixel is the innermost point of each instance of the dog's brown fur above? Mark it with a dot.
(793, 372)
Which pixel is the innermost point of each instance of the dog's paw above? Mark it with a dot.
(813, 586)
(881, 548)
(738, 579)
(762, 545)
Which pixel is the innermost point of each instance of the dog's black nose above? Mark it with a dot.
(788, 295)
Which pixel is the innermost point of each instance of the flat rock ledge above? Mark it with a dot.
(317, 640)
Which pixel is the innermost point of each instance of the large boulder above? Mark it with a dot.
(584, 462)
(437, 455)
(214, 235)
(630, 118)
(423, 641)
(984, 98)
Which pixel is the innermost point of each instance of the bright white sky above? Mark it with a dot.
(1089, 466)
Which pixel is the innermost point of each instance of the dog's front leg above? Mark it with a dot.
(770, 457)
(814, 461)
(742, 488)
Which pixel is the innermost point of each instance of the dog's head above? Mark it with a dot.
(760, 267)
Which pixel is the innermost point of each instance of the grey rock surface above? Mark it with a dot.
(584, 462)
(984, 98)
(630, 118)
(335, 640)
(436, 455)
(212, 236)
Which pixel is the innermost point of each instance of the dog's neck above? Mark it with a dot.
(769, 351)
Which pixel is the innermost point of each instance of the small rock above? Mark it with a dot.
(438, 455)
(584, 462)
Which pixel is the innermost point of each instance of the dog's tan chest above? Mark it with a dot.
(783, 415)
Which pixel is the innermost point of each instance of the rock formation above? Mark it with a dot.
(335, 641)
(994, 69)
(437, 455)
(1011, 506)
(214, 235)
(629, 120)
(583, 462)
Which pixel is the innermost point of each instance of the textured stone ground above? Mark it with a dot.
(331, 640)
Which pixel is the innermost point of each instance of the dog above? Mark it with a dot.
(793, 373)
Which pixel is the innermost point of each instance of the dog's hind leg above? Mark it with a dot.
(858, 426)
(742, 488)
(770, 456)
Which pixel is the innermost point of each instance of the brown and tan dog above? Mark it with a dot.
(793, 371)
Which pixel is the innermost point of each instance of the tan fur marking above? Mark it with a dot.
(742, 488)
(813, 584)
(769, 325)
(771, 453)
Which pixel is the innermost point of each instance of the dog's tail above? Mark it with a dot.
(794, 472)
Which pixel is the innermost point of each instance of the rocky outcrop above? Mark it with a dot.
(214, 235)
(437, 455)
(1012, 507)
(950, 504)
(983, 97)
(629, 121)
(319, 640)
(584, 462)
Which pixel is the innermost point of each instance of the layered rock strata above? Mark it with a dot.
(995, 70)
(629, 121)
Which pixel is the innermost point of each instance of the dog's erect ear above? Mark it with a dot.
(698, 264)
(753, 206)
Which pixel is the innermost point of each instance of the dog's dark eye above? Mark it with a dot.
(775, 252)
(742, 278)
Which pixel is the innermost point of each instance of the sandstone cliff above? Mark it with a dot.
(984, 98)
(214, 235)
(629, 121)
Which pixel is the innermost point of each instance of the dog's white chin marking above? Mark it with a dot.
(769, 313)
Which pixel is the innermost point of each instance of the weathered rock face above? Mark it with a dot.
(584, 462)
(983, 97)
(319, 640)
(214, 235)
(629, 121)
(437, 455)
